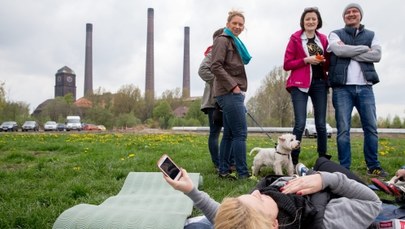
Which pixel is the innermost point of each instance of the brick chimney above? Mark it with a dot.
(150, 72)
(88, 65)
(186, 63)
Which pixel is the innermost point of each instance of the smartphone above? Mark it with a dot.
(168, 167)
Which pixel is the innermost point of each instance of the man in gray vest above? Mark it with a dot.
(354, 50)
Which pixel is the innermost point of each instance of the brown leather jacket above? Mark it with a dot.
(227, 66)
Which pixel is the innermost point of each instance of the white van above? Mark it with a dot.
(73, 123)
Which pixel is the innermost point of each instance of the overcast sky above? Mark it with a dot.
(37, 38)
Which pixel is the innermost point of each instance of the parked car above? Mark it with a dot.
(9, 126)
(60, 127)
(30, 125)
(310, 130)
(50, 126)
(102, 127)
(89, 126)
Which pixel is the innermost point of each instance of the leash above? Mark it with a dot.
(254, 120)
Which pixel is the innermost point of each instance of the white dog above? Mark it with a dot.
(277, 157)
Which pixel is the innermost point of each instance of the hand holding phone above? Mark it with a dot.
(169, 168)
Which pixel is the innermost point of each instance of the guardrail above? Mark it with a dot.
(282, 129)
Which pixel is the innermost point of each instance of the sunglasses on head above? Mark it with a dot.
(311, 8)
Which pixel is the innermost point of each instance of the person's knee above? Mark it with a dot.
(324, 164)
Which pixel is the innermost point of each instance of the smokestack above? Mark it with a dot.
(150, 73)
(186, 63)
(88, 66)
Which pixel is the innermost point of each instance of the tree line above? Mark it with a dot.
(270, 106)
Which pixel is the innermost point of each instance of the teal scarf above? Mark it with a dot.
(240, 47)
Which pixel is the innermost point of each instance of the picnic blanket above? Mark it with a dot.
(145, 201)
(391, 211)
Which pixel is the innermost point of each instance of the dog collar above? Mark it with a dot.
(288, 155)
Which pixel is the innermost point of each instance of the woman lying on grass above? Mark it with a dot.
(317, 200)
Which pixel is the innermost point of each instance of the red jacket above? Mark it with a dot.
(294, 61)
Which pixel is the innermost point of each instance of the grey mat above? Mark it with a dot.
(145, 201)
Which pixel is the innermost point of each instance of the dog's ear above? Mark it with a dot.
(281, 138)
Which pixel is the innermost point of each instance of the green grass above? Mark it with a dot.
(43, 174)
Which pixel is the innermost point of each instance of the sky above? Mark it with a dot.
(37, 38)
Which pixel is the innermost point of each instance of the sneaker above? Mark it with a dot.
(381, 185)
(216, 169)
(301, 169)
(248, 177)
(232, 168)
(228, 176)
(379, 172)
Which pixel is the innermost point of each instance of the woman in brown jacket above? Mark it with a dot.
(229, 56)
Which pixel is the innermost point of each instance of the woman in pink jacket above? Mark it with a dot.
(307, 59)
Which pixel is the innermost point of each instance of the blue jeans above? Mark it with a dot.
(213, 137)
(199, 222)
(235, 133)
(345, 98)
(318, 92)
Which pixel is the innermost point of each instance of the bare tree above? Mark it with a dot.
(15, 111)
(127, 100)
(271, 105)
(173, 97)
(2, 98)
(57, 108)
(101, 98)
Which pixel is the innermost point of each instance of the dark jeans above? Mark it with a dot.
(213, 143)
(233, 141)
(318, 93)
(323, 164)
(345, 98)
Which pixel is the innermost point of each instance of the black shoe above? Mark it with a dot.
(378, 172)
(228, 176)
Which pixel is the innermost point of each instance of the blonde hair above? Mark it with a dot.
(234, 13)
(232, 213)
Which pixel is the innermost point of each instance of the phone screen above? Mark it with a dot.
(171, 170)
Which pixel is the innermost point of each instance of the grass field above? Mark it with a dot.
(43, 174)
